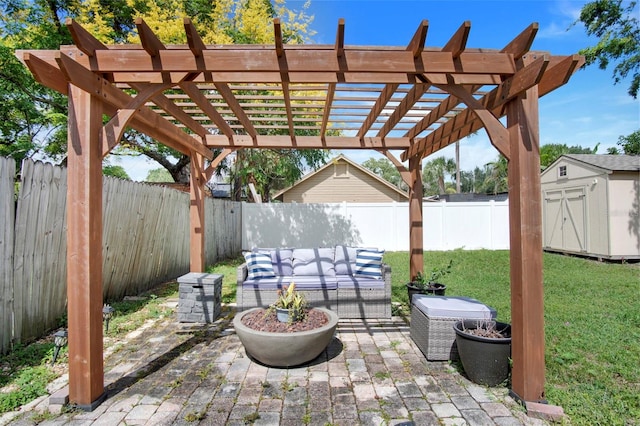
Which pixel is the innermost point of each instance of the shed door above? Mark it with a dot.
(565, 225)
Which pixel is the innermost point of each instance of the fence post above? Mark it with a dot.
(7, 219)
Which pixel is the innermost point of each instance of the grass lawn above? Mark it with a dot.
(592, 325)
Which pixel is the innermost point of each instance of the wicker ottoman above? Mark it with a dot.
(432, 319)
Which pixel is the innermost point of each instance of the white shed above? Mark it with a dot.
(591, 206)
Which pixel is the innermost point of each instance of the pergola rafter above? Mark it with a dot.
(196, 97)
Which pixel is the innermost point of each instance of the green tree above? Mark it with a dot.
(473, 181)
(552, 151)
(616, 26)
(158, 175)
(630, 143)
(434, 174)
(386, 170)
(271, 170)
(497, 176)
(33, 118)
(115, 171)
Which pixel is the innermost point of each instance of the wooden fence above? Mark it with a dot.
(7, 215)
(145, 242)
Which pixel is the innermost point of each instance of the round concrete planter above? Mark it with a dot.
(285, 349)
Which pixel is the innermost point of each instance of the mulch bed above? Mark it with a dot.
(265, 320)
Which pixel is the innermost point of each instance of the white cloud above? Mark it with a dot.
(553, 30)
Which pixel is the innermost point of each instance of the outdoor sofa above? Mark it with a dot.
(351, 281)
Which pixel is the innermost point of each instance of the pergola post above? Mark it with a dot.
(416, 237)
(525, 227)
(196, 214)
(84, 250)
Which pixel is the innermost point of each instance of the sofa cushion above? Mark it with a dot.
(369, 263)
(302, 283)
(354, 281)
(259, 265)
(314, 262)
(345, 260)
(281, 259)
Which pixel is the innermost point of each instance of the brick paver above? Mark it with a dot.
(372, 373)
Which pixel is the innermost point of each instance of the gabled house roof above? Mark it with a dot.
(612, 163)
(352, 163)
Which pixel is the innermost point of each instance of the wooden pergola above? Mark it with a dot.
(197, 97)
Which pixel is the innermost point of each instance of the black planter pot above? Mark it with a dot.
(485, 360)
(436, 289)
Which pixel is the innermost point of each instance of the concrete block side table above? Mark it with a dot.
(199, 297)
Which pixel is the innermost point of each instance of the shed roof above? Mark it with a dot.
(627, 163)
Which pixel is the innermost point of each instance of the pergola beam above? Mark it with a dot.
(91, 83)
(203, 103)
(83, 39)
(282, 60)
(318, 62)
(458, 41)
(464, 124)
(374, 112)
(114, 129)
(306, 142)
(150, 42)
(521, 44)
(235, 106)
(495, 129)
(196, 45)
(51, 76)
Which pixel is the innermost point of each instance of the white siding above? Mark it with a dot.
(341, 182)
(624, 214)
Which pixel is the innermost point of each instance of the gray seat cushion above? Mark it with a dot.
(349, 281)
(302, 283)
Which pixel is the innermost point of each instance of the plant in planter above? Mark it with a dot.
(423, 284)
(286, 342)
(290, 306)
(484, 347)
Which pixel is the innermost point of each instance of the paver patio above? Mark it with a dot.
(372, 374)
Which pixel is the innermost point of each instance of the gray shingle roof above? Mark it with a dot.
(629, 163)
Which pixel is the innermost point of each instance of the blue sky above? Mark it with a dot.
(588, 110)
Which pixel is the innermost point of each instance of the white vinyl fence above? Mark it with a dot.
(145, 242)
(447, 226)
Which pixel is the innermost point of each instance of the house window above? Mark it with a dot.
(341, 171)
(562, 171)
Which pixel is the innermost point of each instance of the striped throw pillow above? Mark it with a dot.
(369, 263)
(259, 266)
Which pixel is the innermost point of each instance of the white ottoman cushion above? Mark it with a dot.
(453, 307)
